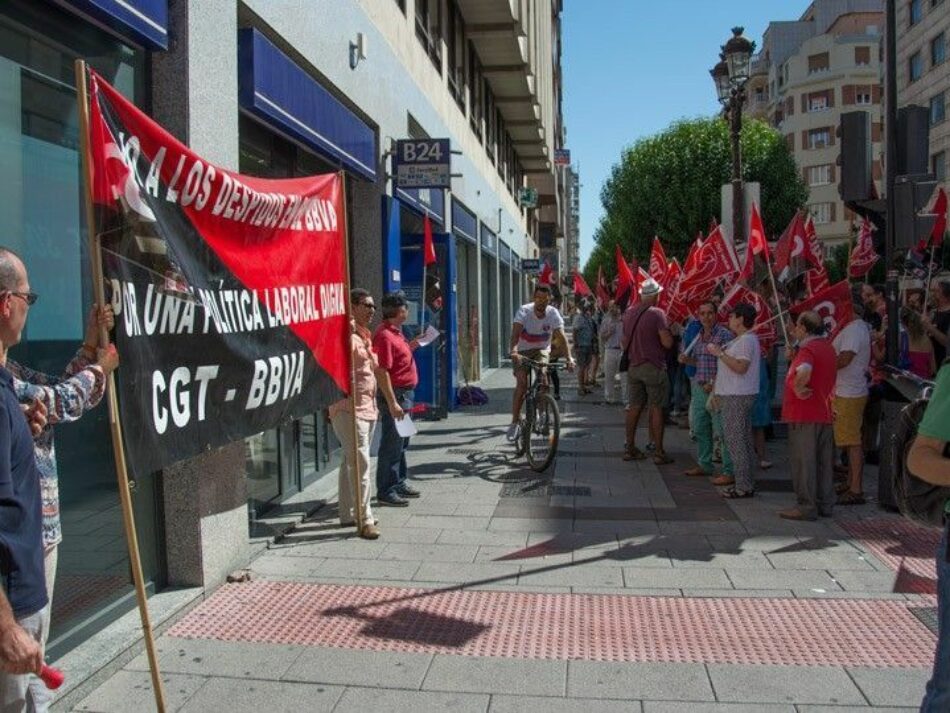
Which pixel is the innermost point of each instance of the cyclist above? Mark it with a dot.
(531, 332)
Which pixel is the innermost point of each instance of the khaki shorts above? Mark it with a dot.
(849, 417)
(648, 385)
(541, 355)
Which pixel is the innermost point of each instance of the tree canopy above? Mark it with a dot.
(669, 185)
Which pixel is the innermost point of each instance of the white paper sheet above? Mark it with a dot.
(405, 427)
(428, 336)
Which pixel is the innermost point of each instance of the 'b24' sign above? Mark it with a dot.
(423, 163)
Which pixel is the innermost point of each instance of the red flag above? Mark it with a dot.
(713, 262)
(833, 304)
(428, 247)
(817, 280)
(625, 278)
(790, 250)
(546, 274)
(580, 286)
(670, 285)
(603, 291)
(692, 256)
(757, 246)
(863, 257)
(940, 226)
(658, 262)
(814, 253)
(764, 326)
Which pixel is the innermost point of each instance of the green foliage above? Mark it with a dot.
(669, 185)
(836, 262)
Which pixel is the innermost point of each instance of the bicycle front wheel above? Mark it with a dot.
(544, 432)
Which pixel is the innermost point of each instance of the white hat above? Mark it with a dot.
(649, 288)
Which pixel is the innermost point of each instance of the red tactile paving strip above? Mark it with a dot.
(906, 548)
(805, 632)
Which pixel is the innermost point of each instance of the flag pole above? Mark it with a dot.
(118, 448)
(930, 267)
(354, 424)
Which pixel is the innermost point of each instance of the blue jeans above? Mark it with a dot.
(937, 699)
(391, 468)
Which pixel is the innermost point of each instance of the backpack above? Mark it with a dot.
(916, 499)
(472, 396)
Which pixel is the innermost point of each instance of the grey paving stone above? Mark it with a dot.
(496, 675)
(841, 560)
(570, 575)
(204, 657)
(839, 594)
(891, 686)
(781, 579)
(678, 707)
(626, 556)
(629, 591)
(855, 709)
(429, 553)
(487, 553)
(618, 528)
(753, 543)
(453, 572)
(530, 524)
(352, 547)
(275, 566)
(720, 560)
(444, 522)
(512, 540)
(740, 593)
(353, 667)
(366, 569)
(783, 684)
(132, 691)
(865, 581)
(653, 681)
(475, 509)
(411, 535)
(687, 527)
(362, 700)
(534, 704)
(682, 578)
(254, 696)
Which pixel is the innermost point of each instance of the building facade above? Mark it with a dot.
(824, 64)
(923, 73)
(217, 74)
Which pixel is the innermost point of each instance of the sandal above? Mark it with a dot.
(722, 480)
(733, 494)
(634, 454)
(660, 458)
(841, 487)
(849, 498)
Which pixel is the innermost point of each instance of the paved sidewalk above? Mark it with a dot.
(598, 586)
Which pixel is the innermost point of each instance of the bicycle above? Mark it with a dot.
(540, 422)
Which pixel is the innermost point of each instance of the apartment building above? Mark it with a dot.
(823, 64)
(275, 90)
(923, 73)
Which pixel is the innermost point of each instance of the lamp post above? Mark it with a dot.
(730, 76)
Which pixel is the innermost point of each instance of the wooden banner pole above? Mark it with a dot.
(354, 422)
(778, 302)
(118, 449)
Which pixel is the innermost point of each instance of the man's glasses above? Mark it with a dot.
(29, 297)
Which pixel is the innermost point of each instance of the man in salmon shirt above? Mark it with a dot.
(806, 408)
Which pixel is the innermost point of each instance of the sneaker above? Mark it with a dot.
(407, 491)
(394, 500)
(514, 430)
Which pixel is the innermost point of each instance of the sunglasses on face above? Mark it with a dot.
(29, 297)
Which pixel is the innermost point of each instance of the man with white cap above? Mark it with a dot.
(647, 339)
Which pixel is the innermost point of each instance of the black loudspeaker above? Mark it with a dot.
(890, 412)
(913, 140)
(857, 180)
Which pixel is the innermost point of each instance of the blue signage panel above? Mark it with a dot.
(464, 222)
(423, 163)
(281, 93)
(145, 22)
(423, 201)
(531, 264)
(504, 252)
(489, 241)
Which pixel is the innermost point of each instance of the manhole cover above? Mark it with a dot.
(577, 490)
(463, 451)
(927, 616)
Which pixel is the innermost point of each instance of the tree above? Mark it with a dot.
(669, 185)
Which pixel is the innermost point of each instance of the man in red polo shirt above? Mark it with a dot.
(806, 408)
(399, 368)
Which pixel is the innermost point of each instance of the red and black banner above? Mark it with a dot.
(229, 290)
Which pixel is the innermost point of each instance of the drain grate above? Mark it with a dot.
(927, 616)
(576, 490)
(463, 451)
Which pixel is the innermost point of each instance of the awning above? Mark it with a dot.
(144, 22)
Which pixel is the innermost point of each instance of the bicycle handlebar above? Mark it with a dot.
(535, 364)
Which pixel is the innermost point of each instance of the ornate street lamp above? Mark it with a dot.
(730, 77)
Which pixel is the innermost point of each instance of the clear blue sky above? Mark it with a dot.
(631, 67)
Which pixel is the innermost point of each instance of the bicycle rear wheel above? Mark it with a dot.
(544, 431)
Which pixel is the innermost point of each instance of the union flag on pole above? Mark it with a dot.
(863, 257)
(546, 276)
(757, 247)
(658, 262)
(428, 246)
(833, 304)
(714, 261)
(626, 282)
(603, 291)
(580, 286)
(764, 326)
(940, 226)
(790, 250)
